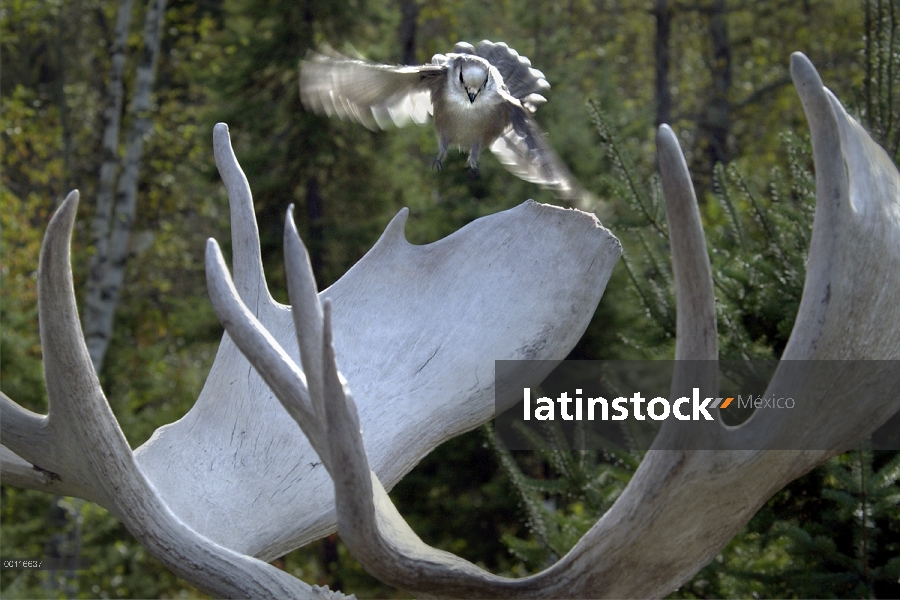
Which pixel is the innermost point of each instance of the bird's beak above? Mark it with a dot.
(472, 96)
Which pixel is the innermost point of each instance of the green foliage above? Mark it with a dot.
(821, 518)
(759, 247)
(857, 547)
(640, 224)
(878, 103)
(563, 494)
(119, 566)
(457, 500)
(20, 370)
(832, 533)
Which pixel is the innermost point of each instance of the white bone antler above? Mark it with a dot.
(655, 528)
(420, 325)
(79, 445)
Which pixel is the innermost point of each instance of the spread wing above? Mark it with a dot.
(523, 148)
(524, 151)
(375, 95)
(524, 83)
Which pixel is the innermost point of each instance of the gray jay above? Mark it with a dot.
(481, 97)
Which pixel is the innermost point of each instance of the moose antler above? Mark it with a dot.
(81, 448)
(655, 528)
(418, 326)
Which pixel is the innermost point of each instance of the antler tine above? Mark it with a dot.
(831, 192)
(249, 278)
(281, 373)
(855, 246)
(345, 444)
(696, 341)
(36, 438)
(80, 443)
(696, 320)
(306, 310)
(370, 524)
(849, 315)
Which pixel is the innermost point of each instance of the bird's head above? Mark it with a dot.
(471, 75)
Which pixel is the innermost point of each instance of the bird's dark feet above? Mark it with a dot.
(437, 165)
(474, 173)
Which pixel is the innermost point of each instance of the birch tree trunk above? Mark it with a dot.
(112, 114)
(113, 221)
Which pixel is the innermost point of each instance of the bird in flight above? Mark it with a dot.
(480, 97)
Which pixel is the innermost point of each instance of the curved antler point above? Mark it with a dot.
(804, 74)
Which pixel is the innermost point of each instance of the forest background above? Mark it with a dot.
(716, 70)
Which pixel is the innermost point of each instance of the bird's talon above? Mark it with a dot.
(437, 165)
(474, 173)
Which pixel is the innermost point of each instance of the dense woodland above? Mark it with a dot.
(118, 100)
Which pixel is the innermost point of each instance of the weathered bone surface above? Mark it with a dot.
(80, 446)
(418, 329)
(681, 507)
